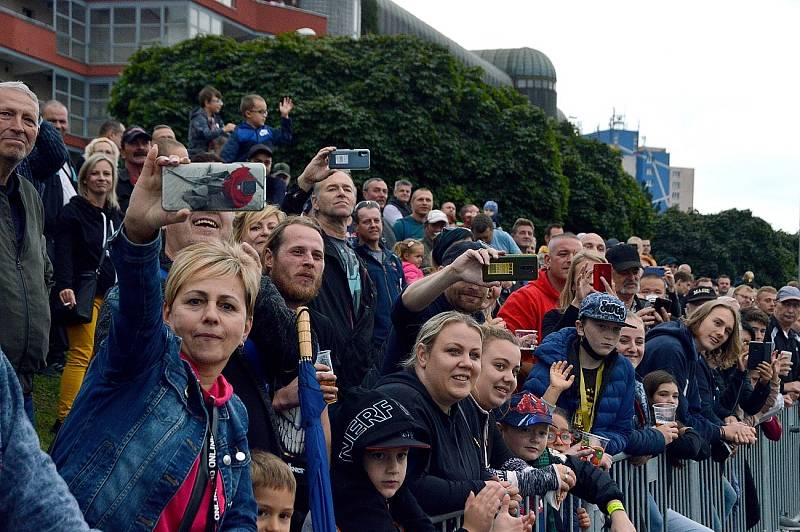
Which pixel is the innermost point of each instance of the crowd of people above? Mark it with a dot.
(174, 338)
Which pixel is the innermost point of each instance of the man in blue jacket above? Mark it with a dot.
(599, 396)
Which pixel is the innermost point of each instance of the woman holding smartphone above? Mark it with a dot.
(85, 224)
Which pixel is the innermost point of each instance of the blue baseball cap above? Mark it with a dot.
(603, 307)
(524, 409)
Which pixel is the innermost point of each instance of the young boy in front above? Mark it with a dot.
(273, 488)
(527, 428)
(254, 129)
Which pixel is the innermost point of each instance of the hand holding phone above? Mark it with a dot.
(512, 268)
(214, 187)
(349, 159)
(601, 270)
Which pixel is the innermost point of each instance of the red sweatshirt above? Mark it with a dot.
(525, 308)
(170, 518)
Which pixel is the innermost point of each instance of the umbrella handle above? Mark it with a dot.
(304, 333)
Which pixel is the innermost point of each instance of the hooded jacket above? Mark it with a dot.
(613, 401)
(202, 130)
(670, 347)
(525, 308)
(643, 439)
(79, 243)
(369, 418)
(246, 136)
(388, 278)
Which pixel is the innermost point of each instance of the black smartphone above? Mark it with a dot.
(512, 268)
(349, 160)
(662, 303)
(214, 187)
(758, 352)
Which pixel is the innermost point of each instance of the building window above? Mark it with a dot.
(71, 92)
(70, 20)
(202, 22)
(676, 196)
(676, 173)
(228, 3)
(676, 185)
(99, 95)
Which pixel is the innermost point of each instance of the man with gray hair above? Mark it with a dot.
(375, 189)
(398, 207)
(347, 296)
(24, 289)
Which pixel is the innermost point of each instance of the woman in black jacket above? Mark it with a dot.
(84, 226)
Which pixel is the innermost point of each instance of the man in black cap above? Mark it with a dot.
(627, 274)
(135, 146)
(457, 286)
(282, 171)
(698, 296)
(275, 187)
(779, 331)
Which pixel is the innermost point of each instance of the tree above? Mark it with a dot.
(424, 115)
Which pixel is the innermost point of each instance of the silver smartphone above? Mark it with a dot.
(214, 187)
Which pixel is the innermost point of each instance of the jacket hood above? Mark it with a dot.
(85, 210)
(676, 330)
(556, 345)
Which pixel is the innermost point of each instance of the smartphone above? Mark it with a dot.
(512, 268)
(657, 270)
(662, 303)
(600, 271)
(758, 352)
(214, 187)
(349, 160)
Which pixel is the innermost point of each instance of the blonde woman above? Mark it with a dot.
(254, 227)
(157, 438)
(84, 226)
(577, 286)
(102, 145)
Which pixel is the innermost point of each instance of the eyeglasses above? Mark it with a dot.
(562, 436)
(261, 112)
(367, 204)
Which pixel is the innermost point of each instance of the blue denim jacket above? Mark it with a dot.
(138, 422)
(33, 496)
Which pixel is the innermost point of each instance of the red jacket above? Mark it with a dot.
(525, 308)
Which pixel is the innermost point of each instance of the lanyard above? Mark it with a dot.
(213, 471)
(585, 413)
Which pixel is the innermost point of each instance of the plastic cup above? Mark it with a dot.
(597, 444)
(324, 357)
(527, 339)
(664, 413)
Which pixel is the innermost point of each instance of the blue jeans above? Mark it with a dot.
(28, 400)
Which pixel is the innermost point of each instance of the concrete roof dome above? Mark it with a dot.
(520, 62)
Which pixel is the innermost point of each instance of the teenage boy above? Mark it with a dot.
(254, 131)
(527, 428)
(205, 123)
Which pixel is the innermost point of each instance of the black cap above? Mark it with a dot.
(448, 237)
(623, 257)
(133, 132)
(701, 294)
(669, 261)
(259, 148)
(458, 249)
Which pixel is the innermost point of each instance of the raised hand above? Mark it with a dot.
(561, 377)
(316, 170)
(285, 107)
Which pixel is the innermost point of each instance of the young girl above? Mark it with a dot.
(411, 253)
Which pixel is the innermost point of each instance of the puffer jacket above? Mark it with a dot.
(24, 292)
(670, 347)
(614, 409)
(203, 131)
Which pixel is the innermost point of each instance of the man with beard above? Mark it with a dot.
(435, 223)
(449, 209)
(723, 285)
(383, 266)
(525, 308)
(375, 189)
(626, 272)
(467, 213)
(267, 385)
(135, 145)
(457, 286)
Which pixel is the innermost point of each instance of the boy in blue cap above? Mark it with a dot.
(599, 396)
(527, 428)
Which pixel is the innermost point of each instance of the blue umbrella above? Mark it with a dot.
(312, 403)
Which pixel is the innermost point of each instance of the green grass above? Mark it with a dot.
(45, 401)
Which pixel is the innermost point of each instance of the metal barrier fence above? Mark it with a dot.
(698, 490)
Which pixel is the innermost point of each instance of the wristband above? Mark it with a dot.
(614, 506)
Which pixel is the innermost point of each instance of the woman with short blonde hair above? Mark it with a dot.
(254, 227)
(102, 145)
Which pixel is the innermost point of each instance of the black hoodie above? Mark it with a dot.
(79, 243)
(363, 419)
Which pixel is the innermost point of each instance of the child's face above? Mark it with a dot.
(666, 393)
(258, 114)
(387, 469)
(561, 430)
(416, 255)
(275, 509)
(526, 442)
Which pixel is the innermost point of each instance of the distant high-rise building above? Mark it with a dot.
(682, 188)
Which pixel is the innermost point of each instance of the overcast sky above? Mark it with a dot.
(716, 83)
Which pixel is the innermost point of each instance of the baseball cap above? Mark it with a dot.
(458, 249)
(623, 257)
(701, 294)
(603, 307)
(788, 293)
(669, 261)
(132, 132)
(611, 242)
(436, 216)
(523, 410)
(281, 169)
(401, 439)
(259, 148)
(448, 237)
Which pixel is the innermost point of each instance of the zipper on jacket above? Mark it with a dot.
(25, 303)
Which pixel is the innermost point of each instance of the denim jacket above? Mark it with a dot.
(138, 422)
